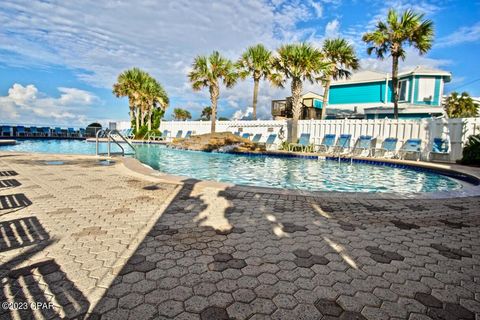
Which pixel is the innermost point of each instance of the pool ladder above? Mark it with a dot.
(112, 136)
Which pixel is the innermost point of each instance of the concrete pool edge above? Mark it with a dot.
(468, 191)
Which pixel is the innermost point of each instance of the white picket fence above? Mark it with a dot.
(456, 131)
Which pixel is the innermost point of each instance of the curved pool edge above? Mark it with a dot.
(138, 167)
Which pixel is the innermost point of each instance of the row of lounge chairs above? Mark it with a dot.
(365, 146)
(21, 131)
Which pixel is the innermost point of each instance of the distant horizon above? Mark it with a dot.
(58, 62)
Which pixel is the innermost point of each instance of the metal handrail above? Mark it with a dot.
(111, 137)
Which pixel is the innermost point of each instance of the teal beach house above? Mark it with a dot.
(370, 93)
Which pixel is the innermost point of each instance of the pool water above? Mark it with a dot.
(275, 172)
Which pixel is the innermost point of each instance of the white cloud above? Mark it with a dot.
(318, 8)
(25, 104)
(465, 34)
(332, 29)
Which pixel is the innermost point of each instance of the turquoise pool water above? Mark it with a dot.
(290, 173)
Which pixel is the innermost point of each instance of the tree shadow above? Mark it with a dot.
(20, 233)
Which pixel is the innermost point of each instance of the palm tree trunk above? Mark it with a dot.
(395, 86)
(326, 92)
(137, 120)
(296, 107)
(213, 98)
(149, 119)
(255, 97)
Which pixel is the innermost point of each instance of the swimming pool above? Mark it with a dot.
(264, 171)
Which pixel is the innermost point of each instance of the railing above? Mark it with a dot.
(112, 136)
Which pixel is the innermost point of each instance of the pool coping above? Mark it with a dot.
(137, 167)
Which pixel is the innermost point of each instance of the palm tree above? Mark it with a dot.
(207, 72)
(129, 85)
(460, 106)
(206, 113)
(181, 114)
(391, 37)
(257, 62)
(342, 56)
(298, 62)
(154, 96)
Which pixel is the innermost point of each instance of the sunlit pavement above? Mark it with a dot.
(100, 241)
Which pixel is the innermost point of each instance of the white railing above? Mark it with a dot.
(455, 130)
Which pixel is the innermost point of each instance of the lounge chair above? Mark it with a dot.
(33, 132)
(327, 143)
(129, 133)
(71, 132)
(362, 147)
(179, 134)
(58, 132)
(81, 132)
(343, 145)
(188, 134)
(270, 143)
(256, 138)
(237, 134)
(411, 147)
(20, 131)
(440, 150)
(7, 130)
(303, 143)
(246, 136)
(388, 149)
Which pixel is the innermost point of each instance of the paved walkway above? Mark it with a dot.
(102, 242)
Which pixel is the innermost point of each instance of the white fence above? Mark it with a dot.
(455, 130)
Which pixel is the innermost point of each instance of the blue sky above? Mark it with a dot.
(59, 59)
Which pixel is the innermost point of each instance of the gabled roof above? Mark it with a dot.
(365, 76)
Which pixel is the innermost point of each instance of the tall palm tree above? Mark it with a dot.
(129, 84)
(207, 73)
(154, 96)
(391, 36)
(343, 58)
(298, 62)
(257, 62)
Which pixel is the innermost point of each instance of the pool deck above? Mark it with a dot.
(124, 242)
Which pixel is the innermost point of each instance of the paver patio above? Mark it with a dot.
(104, 242)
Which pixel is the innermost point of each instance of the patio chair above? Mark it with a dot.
(362, 147)
(411, 148)
(7, 130)
(246, 136)
(256, 138)
(388, 149)
(327, 143)
(179, 134)
(81, 132)
(343, 144)
(440, 150)
(129, 133)
(33, 132)
(188, 134)
(71, 132)
(270, 142)
(58, 132)
(303, 143)
(20, 131)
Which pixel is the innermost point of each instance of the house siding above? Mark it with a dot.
(358, 93)
(436, 95)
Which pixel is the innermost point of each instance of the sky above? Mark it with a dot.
(59, 59)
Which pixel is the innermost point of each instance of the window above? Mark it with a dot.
(403, 90)
(426, 89)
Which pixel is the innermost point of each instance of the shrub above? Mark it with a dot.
(471, 151)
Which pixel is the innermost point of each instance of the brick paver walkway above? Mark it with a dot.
(100, 243)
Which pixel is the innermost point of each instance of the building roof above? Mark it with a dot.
(365, 76)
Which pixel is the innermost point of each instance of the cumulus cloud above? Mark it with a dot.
(25, 104)
(332, 29)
